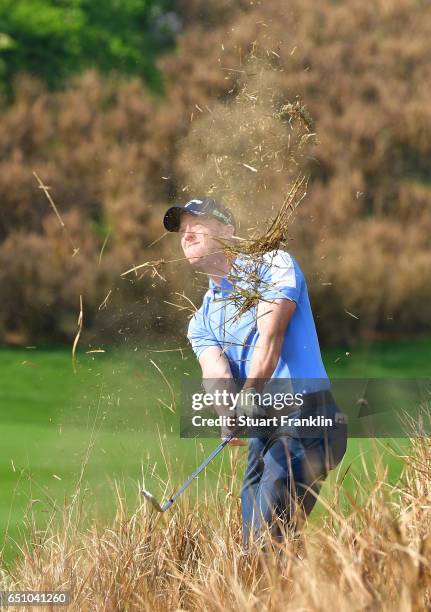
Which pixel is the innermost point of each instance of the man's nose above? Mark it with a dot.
(188, 235)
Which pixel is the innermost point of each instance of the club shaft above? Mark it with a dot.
(190, 479)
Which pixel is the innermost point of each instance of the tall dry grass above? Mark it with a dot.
(371, 551)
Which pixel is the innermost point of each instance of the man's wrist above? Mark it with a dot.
(248, 404)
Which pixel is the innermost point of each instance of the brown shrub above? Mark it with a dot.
(103, 147)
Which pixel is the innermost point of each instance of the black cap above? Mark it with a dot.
(199, 207)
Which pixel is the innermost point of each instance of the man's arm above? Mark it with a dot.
(214, 363)
(217, 375)
(272, 321)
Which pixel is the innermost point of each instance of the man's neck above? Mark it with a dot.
(219, 269)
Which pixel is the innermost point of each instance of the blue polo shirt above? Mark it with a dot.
(218, 323)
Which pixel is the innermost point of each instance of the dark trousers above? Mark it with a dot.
(283, 479)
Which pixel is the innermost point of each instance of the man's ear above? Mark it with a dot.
(229, 231)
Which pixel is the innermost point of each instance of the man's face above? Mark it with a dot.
(199, 239)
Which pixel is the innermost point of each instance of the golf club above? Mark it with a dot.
(150, 498)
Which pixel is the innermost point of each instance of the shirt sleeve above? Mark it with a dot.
(280, 277)
(199, 334)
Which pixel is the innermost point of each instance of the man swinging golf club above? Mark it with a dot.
(274, 342)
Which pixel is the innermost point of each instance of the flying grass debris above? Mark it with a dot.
(105, 242)
(105, 301)
(165, 405)
(75, 251)
(78, 334)
(275, 237)
(276, 234)
(189, 306)
(154, 265)
(299, 111)
(45, 189)
(250, 167)
(162, 374)
(351, 314)
(147, 264)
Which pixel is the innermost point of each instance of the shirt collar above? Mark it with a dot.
(225, 285)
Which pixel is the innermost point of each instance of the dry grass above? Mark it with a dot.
(276, 235)
(372, 555)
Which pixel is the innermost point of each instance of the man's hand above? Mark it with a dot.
(234, 441)
(237, 442)
(247, 405)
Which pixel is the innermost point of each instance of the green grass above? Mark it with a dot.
(116, 408)
(403, 359)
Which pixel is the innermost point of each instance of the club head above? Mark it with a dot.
(153, 501)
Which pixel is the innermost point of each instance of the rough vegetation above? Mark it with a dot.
(371, 552)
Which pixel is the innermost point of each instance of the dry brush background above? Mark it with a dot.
(114, 154)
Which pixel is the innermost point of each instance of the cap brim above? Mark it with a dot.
(172, 218)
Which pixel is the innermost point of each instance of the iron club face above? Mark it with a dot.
(153, 501)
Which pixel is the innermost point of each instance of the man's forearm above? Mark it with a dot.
(222, 388)
(272, 321)
(264, 361)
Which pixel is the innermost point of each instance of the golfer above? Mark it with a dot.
(274, 342)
